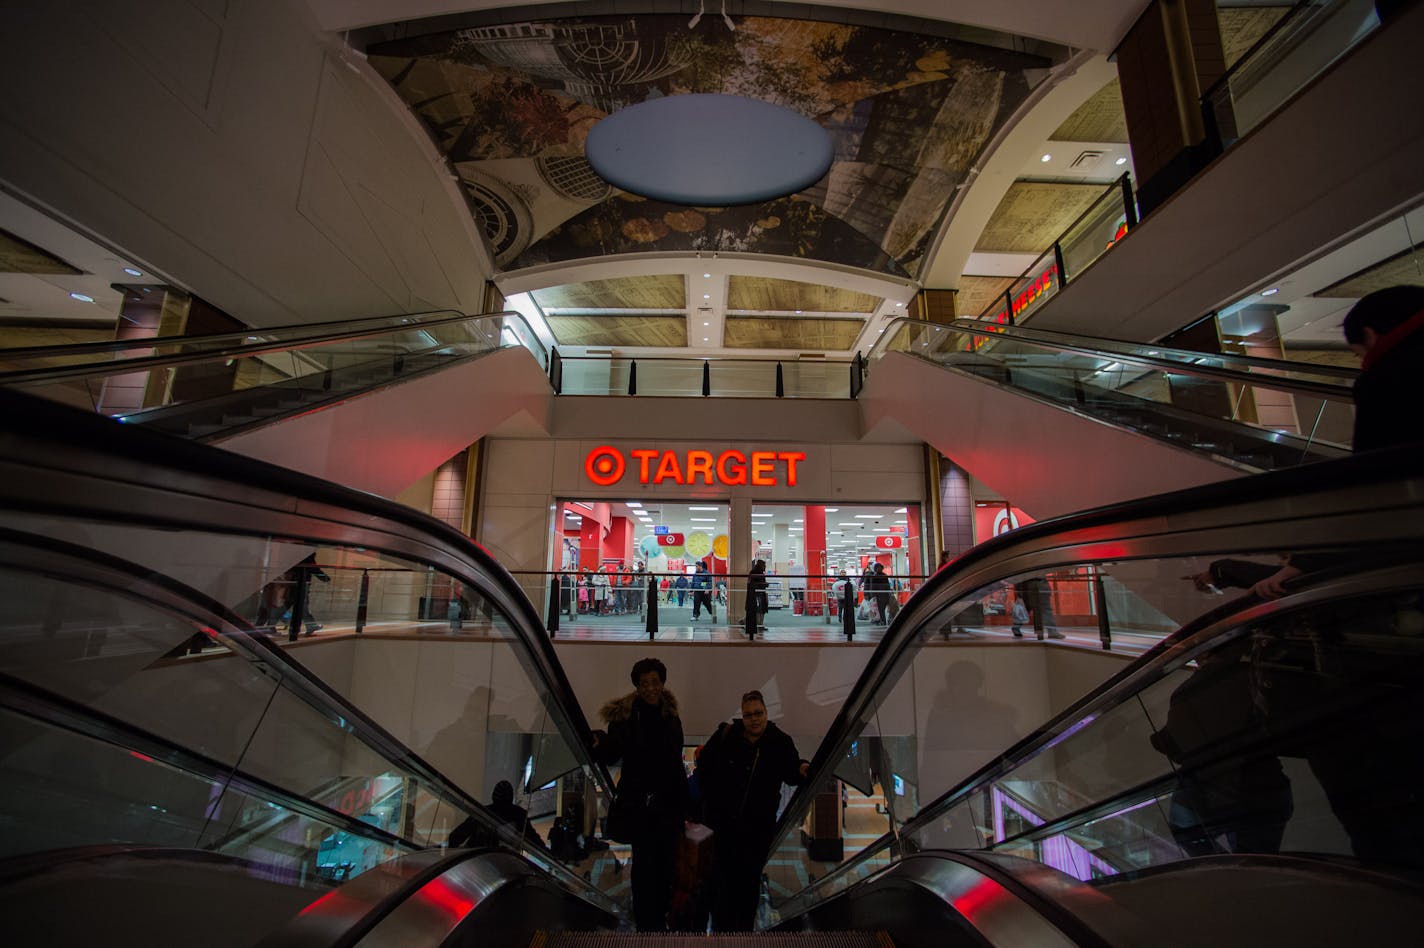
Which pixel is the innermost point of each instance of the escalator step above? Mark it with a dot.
(690, 940)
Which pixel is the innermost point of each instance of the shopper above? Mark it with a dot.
(644, 731)
(740, 771)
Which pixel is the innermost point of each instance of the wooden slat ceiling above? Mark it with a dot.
(977, 292)
(1033, 214)
(770, 295)
(641, 292)
(624, 330)
(21, 256)
(781, 332)
(1241, 27)
(1406, 267)
(1100, 119)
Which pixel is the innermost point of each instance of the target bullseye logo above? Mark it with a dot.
(604, 466)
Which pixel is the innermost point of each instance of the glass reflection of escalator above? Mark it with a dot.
(213, 386)
(142, 770)
(1263, 760)
(1257, 414)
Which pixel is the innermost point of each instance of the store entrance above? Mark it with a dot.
(611, 554)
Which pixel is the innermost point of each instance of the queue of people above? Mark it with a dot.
(739, 774)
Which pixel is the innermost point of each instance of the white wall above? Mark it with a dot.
(264, 166)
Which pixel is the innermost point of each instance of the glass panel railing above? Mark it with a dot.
(167, 600)
(715, 378)
(196, 386)
(1198, 746)
(829, 607)
(1260, 413)
(1096, 230)
(1298, 48)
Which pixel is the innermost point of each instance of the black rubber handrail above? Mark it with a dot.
(66, 441)
(1006, 555)
(226, 346)
(1102, 348)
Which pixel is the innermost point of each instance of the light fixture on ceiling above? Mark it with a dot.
(1121, 161)
(706, 296)
(1046, 158)
(706, 324)
(798, 312)
(82, 297)
(132, 272)
(704, 339)
(634, 503)
(706, 276)
(1271, 292)
(704, 508)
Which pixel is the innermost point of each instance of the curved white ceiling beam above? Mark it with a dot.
(1085, 24)
(1017, 146)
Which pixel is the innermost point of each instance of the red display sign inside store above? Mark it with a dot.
(606, 466)
(889, 543)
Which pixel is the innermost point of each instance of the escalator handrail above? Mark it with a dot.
(1198, 636)
(232, 345)
(1087, 345)
(125, 456)
(1287, 502)
(23, 697)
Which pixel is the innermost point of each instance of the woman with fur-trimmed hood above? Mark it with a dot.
(645, 732)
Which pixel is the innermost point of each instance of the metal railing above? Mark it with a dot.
(720, 377)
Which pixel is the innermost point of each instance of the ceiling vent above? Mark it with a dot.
(1086, 160)
(811, 355)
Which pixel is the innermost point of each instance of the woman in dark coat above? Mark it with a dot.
(756, 597)
(645, 732)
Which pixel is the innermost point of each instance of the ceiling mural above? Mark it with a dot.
(510, 107)
(661, 291)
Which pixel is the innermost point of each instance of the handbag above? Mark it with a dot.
(621, 819)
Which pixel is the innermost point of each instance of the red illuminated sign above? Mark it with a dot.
(605, 466)
(889, 543)
(670, 539)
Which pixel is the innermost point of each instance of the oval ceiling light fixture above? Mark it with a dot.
(709, 150)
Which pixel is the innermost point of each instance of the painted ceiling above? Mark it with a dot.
(510, 105)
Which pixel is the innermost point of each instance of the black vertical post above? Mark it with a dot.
(556, 371)
(633, 377)
(780, 388)
(1129, 206)
(848, 609)
(326, 379)
(398, 363)
(363, 597)
(1058, 265)
(1009, 304)
(299, 605)
(706, 379)
(1100, 594)
(652, 623)
(552, 623)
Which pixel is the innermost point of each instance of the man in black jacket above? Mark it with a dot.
(741, 771)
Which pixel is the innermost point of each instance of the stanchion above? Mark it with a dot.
(554, 606)
(848, 610)
(362, 596)
(652, 607)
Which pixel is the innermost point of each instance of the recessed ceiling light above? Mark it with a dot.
(1046, 158)
(706, 324)
(798, 312)
(902, 510)
(81, 297)
(703, 519)
(634, 503)
(706, 296)
(1271, 292)
(868, 516)
(1120, 161)
(707, 276)
(132, 272)
(704, 508)
(833, 510)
